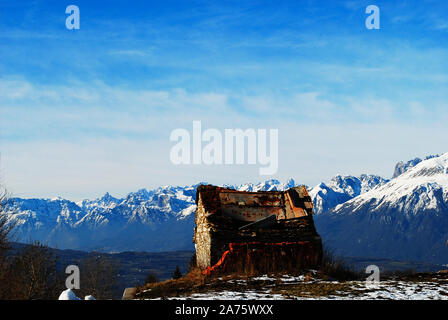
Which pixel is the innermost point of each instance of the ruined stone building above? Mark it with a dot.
(238, 231)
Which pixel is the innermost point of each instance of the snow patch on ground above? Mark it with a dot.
(70, 295)
(356, 290)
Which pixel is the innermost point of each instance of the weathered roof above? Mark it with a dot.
(253, 206)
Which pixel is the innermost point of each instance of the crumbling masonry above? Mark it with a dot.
(255, 232)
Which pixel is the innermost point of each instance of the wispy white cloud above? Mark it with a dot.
(87, 112)
(441, 24)
(31, 111)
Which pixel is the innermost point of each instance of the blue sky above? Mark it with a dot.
(87, 111)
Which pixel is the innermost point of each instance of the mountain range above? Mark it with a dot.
(405, 217)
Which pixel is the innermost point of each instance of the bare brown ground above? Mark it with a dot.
(312, 286)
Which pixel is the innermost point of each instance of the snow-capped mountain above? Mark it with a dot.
(153, 220)
(341, 189)
(268, 185)
(402, 218)
(406, 218)
(402, 167)
(146, 220)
